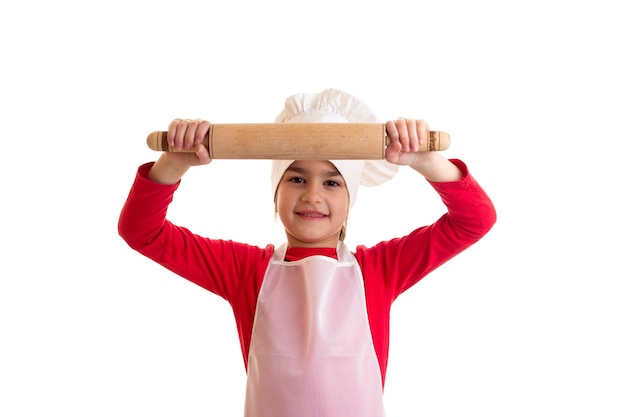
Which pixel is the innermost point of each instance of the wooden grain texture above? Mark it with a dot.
(366, 141)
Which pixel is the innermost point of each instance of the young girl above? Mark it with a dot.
(312, 316)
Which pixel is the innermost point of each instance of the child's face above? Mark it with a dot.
(312, 202)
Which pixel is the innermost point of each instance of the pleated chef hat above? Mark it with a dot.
(334, 106)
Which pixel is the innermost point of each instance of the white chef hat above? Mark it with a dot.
(334, 106)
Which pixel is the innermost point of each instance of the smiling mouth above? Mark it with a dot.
(312, 215)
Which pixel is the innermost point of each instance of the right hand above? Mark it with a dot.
(188, 134)
(182, 134)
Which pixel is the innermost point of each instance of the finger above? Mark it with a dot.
(176, 132)
(403, 132)
(422, 131)
(181, 131)
(202, 131)
(392, 131)
(190, 134)
(413, 135)
(171, 132)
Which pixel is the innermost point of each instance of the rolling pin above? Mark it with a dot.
(298, 141)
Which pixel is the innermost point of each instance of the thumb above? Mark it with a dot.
(202, 153)
(393, 152)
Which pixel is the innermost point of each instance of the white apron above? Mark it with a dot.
(311, 352)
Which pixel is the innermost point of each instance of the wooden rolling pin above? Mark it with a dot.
(298, 141)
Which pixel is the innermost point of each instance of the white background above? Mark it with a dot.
(530, 321)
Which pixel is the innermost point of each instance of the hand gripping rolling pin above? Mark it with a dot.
(298, 141)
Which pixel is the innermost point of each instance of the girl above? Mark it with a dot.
(312, 316)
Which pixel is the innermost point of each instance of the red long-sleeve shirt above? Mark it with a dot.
(235, 270)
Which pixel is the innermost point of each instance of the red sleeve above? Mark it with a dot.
(231, 270)
(216, 265)
(403, 261)
(391, 267)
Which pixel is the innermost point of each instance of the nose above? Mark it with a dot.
(312, 194)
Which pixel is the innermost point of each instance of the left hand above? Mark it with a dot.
(405, 137)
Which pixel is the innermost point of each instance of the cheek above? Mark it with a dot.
(343, 206)
(281, 202)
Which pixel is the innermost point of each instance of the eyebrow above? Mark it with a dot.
(329, 173)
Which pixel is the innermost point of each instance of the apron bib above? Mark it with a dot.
(311, 352)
